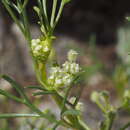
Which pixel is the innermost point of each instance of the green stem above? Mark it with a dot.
(65, 99)
(59, 13)
(78, 96)
(84, 125)
(53, 13)
(14, 17)
(42, 17)
(73, 119)
(101, 107)
(26, 25)
(110, 119)
(25, 3)
(38, 111)
(45, 10)
(14, 115)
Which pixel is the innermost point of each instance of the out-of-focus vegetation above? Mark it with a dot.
(97, 76)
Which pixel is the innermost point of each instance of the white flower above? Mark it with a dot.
(64, 76)
(80, 106)
(38, 47)
(74, 68)
(41, 49)
(55, 70)
(46, 49)
(72, 100)
(51, 80)
(71, 68)
(58, 82)
(67, 79)
(35, 42)
(72, 55)
(66, 66)
(52, 77)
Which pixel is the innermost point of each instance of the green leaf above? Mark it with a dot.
(66, 1)
(4, 93)
(14, 115)
(36, 88)
(14, 84)
(43, 93)
(37, 10)
(25, 3)
(18, 8)
(72, 112)
(7, 1)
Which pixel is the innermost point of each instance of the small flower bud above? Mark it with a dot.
(67, 79)
(41, 49)
(71, 68)
(95, 96)
(66, 66)
(72, 100)
(55, 70)
(127, 94)
(72, 55)
(63, 76)
(51, 80)
(58, 82)
(80, 106)
(74, 68)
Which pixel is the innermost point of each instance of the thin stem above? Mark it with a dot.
(13, 115)
(101, 107)
(25, 20)
(38, 111)
(25, 3)
(65, 99)
(53, 13)
(4, 93)
(71, 105)
(84, 125)
(71, 118)
(45, 10)
(26, 24)
(59, 13)
(78, 96)
(14, 17)
(41, 17)
(109, 121)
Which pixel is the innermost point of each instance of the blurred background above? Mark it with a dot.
(98, 30)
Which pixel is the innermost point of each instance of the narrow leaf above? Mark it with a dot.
(36, 87)
(14, 84)
(72, 112)
(37, 10)
(4, 93)
(14, 115)
(43, 93)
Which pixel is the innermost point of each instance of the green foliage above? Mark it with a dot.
(61, 79)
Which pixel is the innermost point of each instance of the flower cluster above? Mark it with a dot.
(64, 76)
(41, 49)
